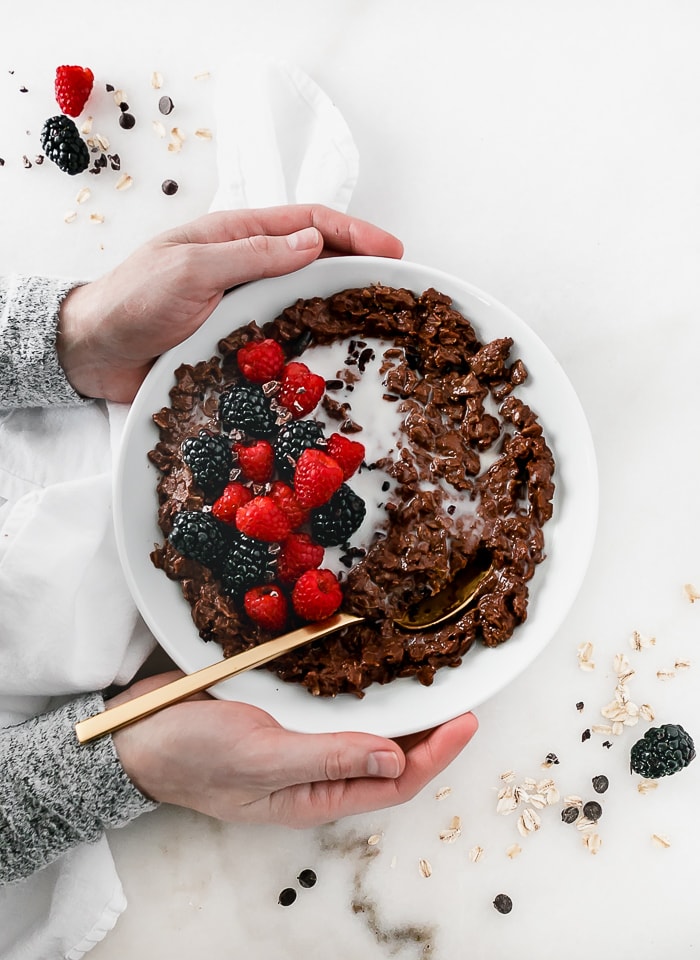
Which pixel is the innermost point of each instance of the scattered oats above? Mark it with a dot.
(665, 674)
(620, 663)
(70, 217)
(202, 133)
(584, 823)
(682, 664)
(618, 728)
(156, 80)
(529, 783)
(604, 728)
(646, 786)
(159, 128)
(443, 792)
(82, 195)
(691, 592)
(202, 76)
(86, 125)
(425, 869)
(646, 713)
(476, 853)
(119, 97)
(96, 218)
(175, 146)
(551, 796)
(374, 839)
(102, 142)
(584, 653)
(394, 861)
(178, 134)
(592, 842)
(624, 677)
(507, 801)
(572, 801)
(124, 182)
(639, 642)
(454, 832)
(528, 822)
(537, 801)
(513, 851)
(660, 840)
(613, 710)
(508, 776)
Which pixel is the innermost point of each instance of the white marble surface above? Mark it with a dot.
(548, 152)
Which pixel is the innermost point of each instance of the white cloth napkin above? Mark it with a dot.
(69, 624)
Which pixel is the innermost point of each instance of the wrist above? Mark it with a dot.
(75, 344)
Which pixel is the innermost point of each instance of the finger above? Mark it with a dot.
(308, 758)
(340, 232)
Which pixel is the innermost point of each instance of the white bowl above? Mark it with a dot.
(402, 706)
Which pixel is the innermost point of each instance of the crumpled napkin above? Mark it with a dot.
(69, 624)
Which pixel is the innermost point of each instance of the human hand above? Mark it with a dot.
(234, 762)
(111, 330)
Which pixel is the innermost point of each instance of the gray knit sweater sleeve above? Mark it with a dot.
(55, 792)
(30, 374)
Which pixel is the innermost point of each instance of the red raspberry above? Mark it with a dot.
(257, 461)
(73, 86)
(300, 389)
(348, 453)
(266, 606)
(233, 497)
(283, 495)
(261, 361)
(316, 595)
(299, 553)
(262, 519)
(316, 478)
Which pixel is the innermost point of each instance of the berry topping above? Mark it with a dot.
(284, 497)
(256, 461)
(63, 145)
(261, 361)
(245, 407)
(662, 751)
(348, 453)
(336, 521)
(316, 595)
(316, 478)
(292, 440)
(247, 563)
(209, 458)
(300, 389)
(233, 497)
(266, 606)
(299, 553)
(262, 519)
(73, 86)
(198, 536)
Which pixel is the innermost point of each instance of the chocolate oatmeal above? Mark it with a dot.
(466, 474)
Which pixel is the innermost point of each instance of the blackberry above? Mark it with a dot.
(209, 458)
(292, 440)
(662, 751)
(245, 564)
(245, 407)
(198, 536)
(63, 145)
(336, 521)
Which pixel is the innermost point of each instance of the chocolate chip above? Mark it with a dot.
(592, 810)
(579, 706)
(607, 744)
(569, 814)
(109, 88)
(307, 878)
(287, 897)
(600, 783)
(503, 903)
(127, 120)
(165, 105)
(586, 735)
(551, 758)
(124, 107)
(385, 486)
(334, 384)
(169, 187)
(23, 90)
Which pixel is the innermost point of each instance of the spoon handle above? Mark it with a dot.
(143, 706)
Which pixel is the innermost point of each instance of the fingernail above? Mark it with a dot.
(383, 763)
(304, 239)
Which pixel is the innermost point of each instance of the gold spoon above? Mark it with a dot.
(428, 613)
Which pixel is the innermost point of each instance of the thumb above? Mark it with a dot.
(231, 262)
(309, 758)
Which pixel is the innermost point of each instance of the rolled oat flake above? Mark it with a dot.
(503, 903)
